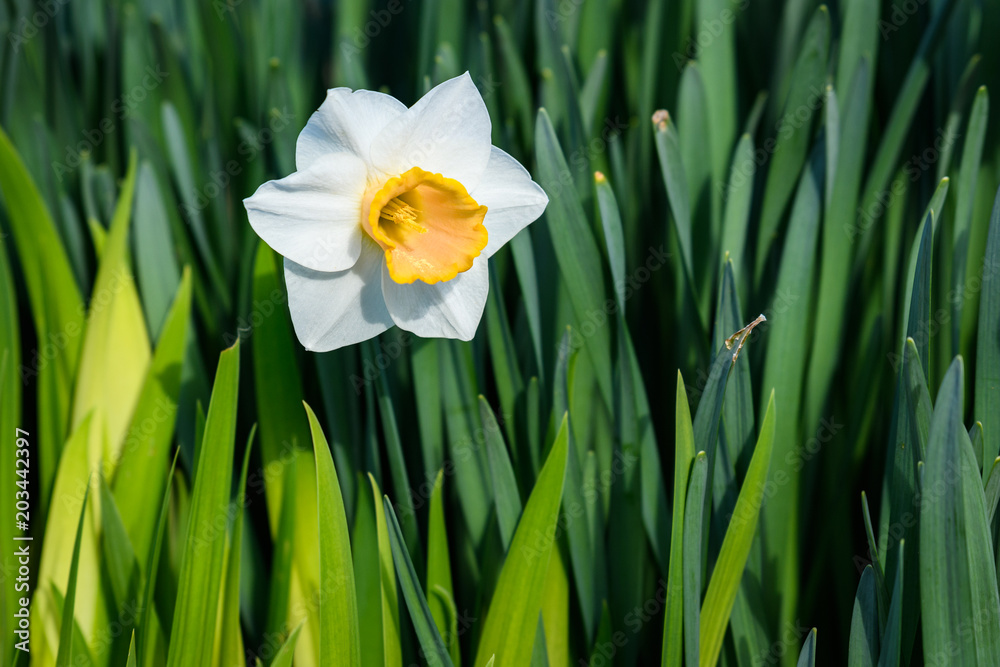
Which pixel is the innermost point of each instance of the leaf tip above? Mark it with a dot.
(660, 119)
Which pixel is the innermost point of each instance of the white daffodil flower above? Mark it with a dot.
(392, 215)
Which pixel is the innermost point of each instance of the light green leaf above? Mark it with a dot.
(338, 609)
(284, 445)
(10, 419)
(728, 572)
(147, 622)
(192, 636)
(280, 583)
(367, 578)
(439, 586)
(144, 456)
(555, 617)
(684, 455)
(118, 562)
(131, 652)
(72, 482)
(277, 380)
(511, 621)
(65, 657)
(115, 352)
(230, 639)
(283, 658)
(390, 602)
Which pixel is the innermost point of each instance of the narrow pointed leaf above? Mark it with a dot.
(423, 622)
(512, 617)
(728, 572)
(338, 609)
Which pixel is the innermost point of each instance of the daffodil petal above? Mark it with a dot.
(331, 310)
(446, 132)
(346, 122)
(513, 200)
(313, 217)
(450, 309)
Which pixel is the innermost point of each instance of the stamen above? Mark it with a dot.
(401, 213)
(428, 226)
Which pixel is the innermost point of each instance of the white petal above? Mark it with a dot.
(331, 310)
(513, 199)
(450, 309)
(346, 122)
(446, 132)
(313, 217)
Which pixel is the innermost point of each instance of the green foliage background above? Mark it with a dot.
(596, 478)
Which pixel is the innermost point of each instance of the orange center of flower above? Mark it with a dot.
(428, 226)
